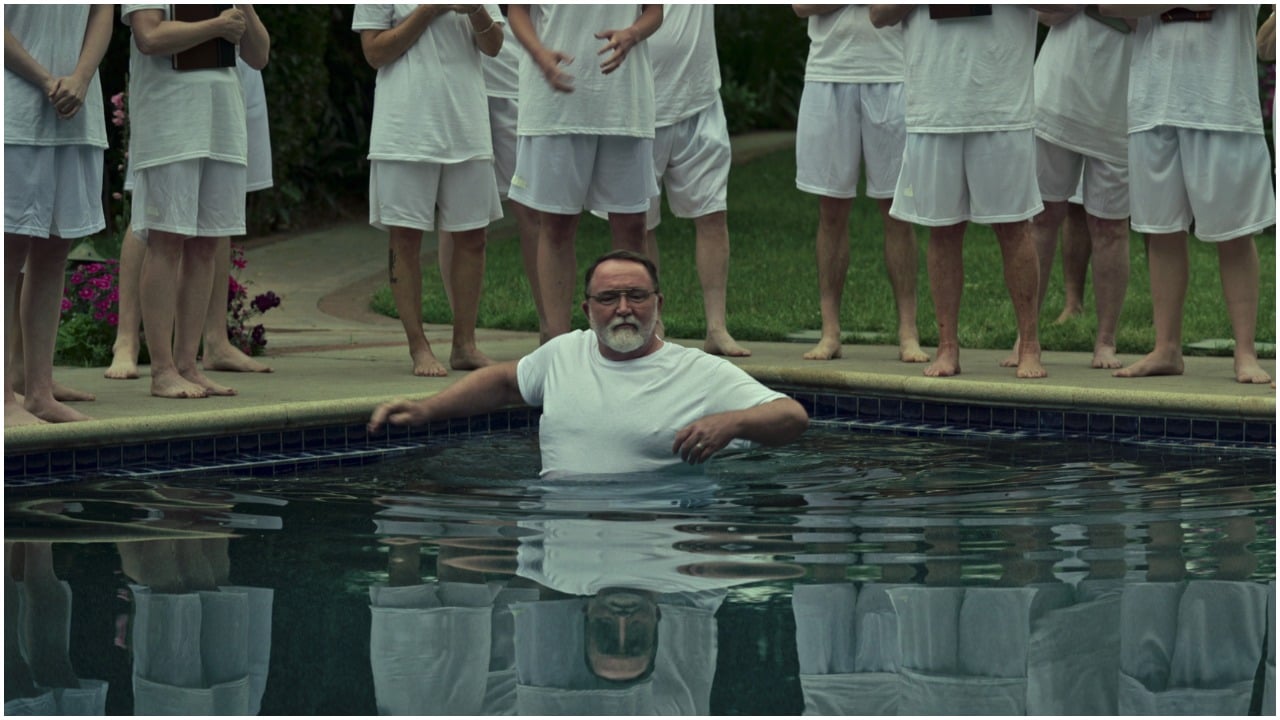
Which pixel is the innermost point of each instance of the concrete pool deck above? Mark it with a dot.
(334, 360)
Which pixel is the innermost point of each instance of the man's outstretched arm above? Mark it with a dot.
(777, 422)
(484, 390)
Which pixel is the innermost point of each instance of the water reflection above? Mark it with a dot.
(854, 577)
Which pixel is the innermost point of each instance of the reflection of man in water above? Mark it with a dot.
(622, 633)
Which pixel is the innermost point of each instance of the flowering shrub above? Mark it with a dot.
(89, 315)
(250, 340)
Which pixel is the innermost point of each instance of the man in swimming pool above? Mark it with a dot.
(619, 398)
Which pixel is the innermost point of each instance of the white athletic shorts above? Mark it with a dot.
(982, 177)
(53, 190)
(692, 159)
(1219, 179)
(407, 194)
(841, 124)
(502, 127)
(1068, 176)
(193, 198)
(564, 174)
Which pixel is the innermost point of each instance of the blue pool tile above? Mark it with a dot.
(847, 406)
(1051, 421)
(37, 463)
(956, 414)
(1075, 422)
(1101, 424)
(1026, 419)
(291, 440)
(204, 449)
(1126, 425)
(932, 412)
(1204, 429)
(1258, 431)
(224, 445)
(108, 457)
(335, 436)
(157, 451)
(980, 416)
(518, 419)
(1230, 431)
(912, 411)
(269, 442)
(86, 460)
(869, 408)
(133, 455)
(179, 451)
(247, 443)
(459, 426)
(313, 438)
(1003, 417)
(890, 409)
(478, 424)
(61, 462)
(1177, 428)
(1151, 427)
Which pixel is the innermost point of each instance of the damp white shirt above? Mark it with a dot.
(429, 104)
(1082, 80)
(603, 416)
(686, 69)
(502, 72)
(844, 47)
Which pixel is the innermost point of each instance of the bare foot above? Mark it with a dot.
(720, 342)
(1029, 367)
(1069, 313)
(124, 364)
(1154, 363)
(1011, 360)
(1248, 371)
(61, 392)
(425, 364)
(1104, 358)
(826, 349)
(15, 414)
(194, 375)
(946, 364)
(172, 385)
(53, 411)
(909, 351)
(229, 358)
(468, 359)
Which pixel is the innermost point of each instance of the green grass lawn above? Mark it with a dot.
(773, 279)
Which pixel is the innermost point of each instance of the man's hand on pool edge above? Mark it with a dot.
(401, 411)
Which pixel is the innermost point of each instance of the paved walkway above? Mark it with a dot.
(334, 359)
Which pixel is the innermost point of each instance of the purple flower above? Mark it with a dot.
(113, 319)
(76, 278)
(92, 268)
(114, 296)
(102, 281)
(66, 304)
(100, 315)
(266, 301)
(87, 293)
(103, 304)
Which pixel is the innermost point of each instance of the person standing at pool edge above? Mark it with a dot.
(618, 398)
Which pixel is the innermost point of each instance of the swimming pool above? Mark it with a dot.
(851, 573)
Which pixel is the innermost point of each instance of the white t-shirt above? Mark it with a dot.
(602, 416)
(176, 116)
(53, 36)
(970, 74)
(1197, 74)
(686, 70)
(429, 104)
(620, 103)
(1082, 80)
(502, 73)
(844, 47)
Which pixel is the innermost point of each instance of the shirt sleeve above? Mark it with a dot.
(532, 371)
(731, 388)
(127, 10)
(373, 17)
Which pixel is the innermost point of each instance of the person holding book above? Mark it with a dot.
(189, 151)
(54, 134)
(431, 157)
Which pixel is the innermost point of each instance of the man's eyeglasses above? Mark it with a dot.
(634, 296)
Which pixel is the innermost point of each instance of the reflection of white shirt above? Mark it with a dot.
(603, 416)
(1196, 74)
(1082, 79)
(429, 104)
(53, 36)
(970, 74)
(175, 116)
(844, 47)
(686, 70)
(620, 103)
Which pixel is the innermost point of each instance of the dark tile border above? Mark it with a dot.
(288, 451)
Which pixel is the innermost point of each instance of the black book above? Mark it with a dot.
(214, 53)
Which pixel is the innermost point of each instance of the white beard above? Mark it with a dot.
(626, 339)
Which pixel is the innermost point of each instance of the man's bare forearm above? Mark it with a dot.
(774, 423)
(887, 15)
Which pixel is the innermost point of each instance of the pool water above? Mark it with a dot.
(847, 574)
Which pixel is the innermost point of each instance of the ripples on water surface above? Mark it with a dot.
(847, 575)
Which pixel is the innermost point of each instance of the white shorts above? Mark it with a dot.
(692, 159)
(193, 198)
(983, 177)
(1219, 179)
(841, 124)
(1065, 175)
(406, 194)
(502, 127)
(53, 190)
(564, 174)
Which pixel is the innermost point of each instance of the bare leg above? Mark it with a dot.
(18, 367)
(124, 363)
(404, 268)
(39, 312)
(48, 604)
(468, 275)
(1167, 264)
(901, 259)
(833, 268)
(1022, 277)
(628, 233)
(15, 253)
(1044, 232)
(712, 253)
(444, 260)
(527, 224)
(219, 353)
(945, 260)
(158, 294)
(18, 682)
(557, 268)
(651, 251)
(193, 305)
(1238, 268)
(1076, 249)
(1110, 250)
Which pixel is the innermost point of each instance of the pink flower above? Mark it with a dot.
(87, 293)
(66, 304)
(103, 304)
(102, 282)
(99, 315)
(117, 100)
(114, 296)
(113, 319)
(92, 268)
(76, 278)
(116, 195)
(238, 261)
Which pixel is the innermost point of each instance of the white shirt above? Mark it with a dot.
(429, 104)
(970, 74)
(175, 116)
(844, 47)
(603, 416)
(1197, 74)
(686, 70)
(620, 103)
(53, 36)
(1082, 81)
(502, 72)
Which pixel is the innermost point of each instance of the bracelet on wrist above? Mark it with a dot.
(487, 28)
